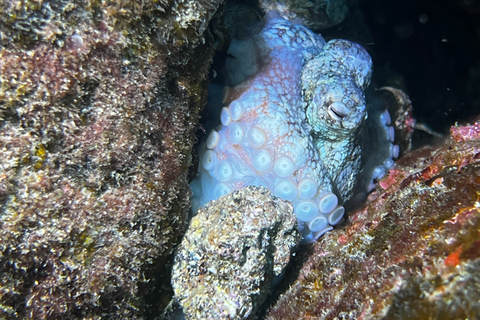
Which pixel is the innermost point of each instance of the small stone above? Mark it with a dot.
(245, 240)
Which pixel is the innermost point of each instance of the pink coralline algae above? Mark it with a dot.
(411, 253)
(99, 104)
(464, 133)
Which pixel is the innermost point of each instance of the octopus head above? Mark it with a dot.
(337, 108)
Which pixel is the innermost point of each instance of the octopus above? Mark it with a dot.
(292, 123)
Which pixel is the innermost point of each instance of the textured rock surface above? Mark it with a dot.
(234, 248)
(99, 103)
(412, 253)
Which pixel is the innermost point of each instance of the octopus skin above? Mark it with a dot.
(290, 123)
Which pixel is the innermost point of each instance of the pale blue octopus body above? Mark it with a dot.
(290, 124)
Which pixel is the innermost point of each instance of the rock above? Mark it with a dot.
(99, 105)
(411, 253)
(233, 251)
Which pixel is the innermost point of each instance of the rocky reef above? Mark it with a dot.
(99, 104)
(411, 253)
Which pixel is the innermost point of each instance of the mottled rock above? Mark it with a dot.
(411, 253)
(234, 249)
(99, 104)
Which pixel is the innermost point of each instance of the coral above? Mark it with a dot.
(232, 252)
(98, 110)
(411, 253)
(293, 123)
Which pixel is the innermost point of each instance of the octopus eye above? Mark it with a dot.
(338, 111)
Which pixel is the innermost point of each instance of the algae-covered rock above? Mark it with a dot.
(233, 251)
(411, 253)
(99, 103)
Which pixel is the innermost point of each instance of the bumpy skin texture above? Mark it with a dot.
(316, 14)
(333, 83)
(291, 132)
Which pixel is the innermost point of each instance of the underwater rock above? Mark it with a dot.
(99, 104)
(316, 14)
(232, 252)
(411, 253)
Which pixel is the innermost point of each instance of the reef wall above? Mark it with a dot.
(99, 104)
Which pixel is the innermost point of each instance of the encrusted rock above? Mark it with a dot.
(411, 253)
(99, 103)
(233, 250)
